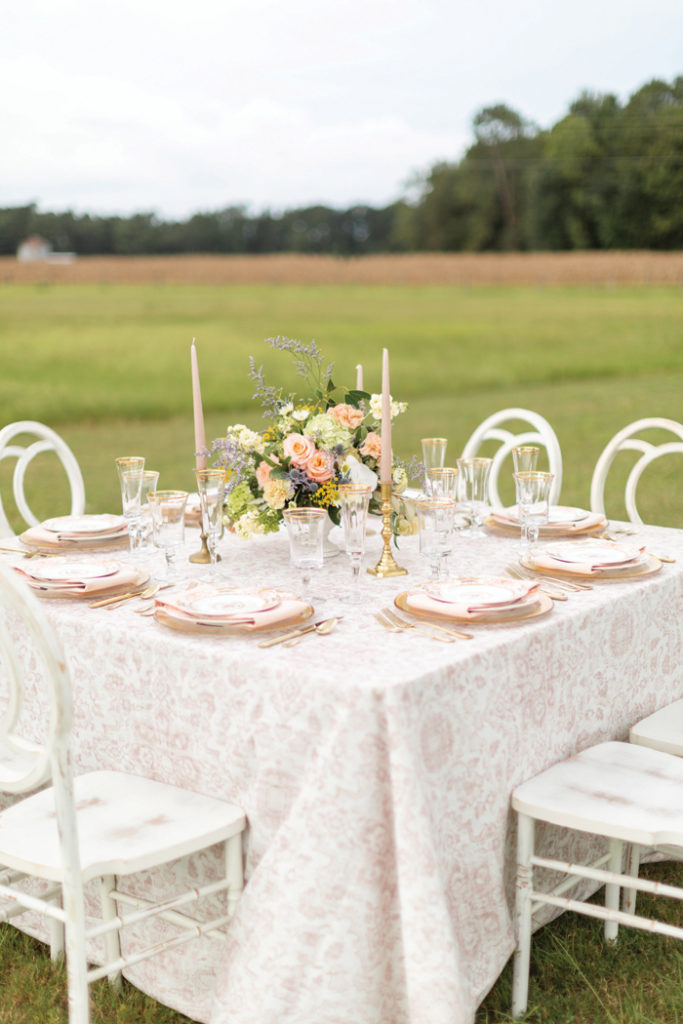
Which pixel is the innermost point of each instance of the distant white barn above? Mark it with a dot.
(34, 250)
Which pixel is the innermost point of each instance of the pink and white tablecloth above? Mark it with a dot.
(375, 770)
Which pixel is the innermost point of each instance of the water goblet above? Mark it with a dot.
(354, 500)
(441, 482)
(130, 469)
(211, 489)
(436, 521)
(525, 458)
(305, 530)
(433, 451)
(168, 525)
(533, 494)
(473, 482)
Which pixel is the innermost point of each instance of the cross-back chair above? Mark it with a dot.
(541, 434)
(625, 793)
(43, 439)
(627, 440)
(99, 825)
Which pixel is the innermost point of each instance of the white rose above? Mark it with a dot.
(301, 414)
(359, 473)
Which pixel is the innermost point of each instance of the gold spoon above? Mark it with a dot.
(323, 629)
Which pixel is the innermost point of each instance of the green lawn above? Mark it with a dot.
(109, 365)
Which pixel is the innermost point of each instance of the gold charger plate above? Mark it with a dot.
(541, 606)
(231, 629)
(141, 578)
(647, 565)
(546, 531)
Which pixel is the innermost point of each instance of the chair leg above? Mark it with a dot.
(612, 890)
(112, 939)
(56, 929)
(633, 861)
(524, 886)
(234, 871)
(76, 973)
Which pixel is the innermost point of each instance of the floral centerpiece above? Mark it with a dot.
(310, 446)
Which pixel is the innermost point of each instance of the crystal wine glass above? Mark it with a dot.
(305, 528)
(441, 481)
(354, 500)
(533, 494)
(150, 480)
(211, 489)
(168, 525)
(525, 458)
(130, 469)
(473, 482)
(433, 451)
(436, 521)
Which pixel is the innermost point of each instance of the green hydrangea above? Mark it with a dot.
(327, 432)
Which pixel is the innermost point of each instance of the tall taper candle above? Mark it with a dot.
(359, 378)
(385, 458)
(199, 435)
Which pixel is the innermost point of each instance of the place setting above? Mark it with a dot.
(76, 533)
(223, 610)
(483, 600)
(69, 576)
(592, 558)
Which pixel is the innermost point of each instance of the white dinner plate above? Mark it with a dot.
(59, 570)
(86, 524)
(597, 552)
(226, 604)
(478, 592)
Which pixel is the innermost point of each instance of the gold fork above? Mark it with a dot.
(385, 621)
(399, 621)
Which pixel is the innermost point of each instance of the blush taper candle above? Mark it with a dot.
(199, 434)
(385, 458)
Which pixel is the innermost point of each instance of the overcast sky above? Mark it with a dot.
(154, 105)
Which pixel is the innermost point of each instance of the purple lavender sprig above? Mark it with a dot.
(308, 360)
(233, 459)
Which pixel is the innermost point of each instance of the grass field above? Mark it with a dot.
(100, 350)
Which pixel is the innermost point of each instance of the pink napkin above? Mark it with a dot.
(38, 537)
(126, 576)
(290, 608)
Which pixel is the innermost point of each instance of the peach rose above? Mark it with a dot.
(347, 415)
(320, 467)
(298, 449)
(263, 474)
(372, 445)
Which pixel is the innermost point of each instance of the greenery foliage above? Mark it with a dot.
(606, 176)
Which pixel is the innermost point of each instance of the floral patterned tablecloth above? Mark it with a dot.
(375, 770)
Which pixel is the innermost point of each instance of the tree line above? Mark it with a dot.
(606, 176)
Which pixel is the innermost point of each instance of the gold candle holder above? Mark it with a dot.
(202, 557)
(387, 565)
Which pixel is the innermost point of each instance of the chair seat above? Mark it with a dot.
(620, 790)
(125, 824)
(662, 731)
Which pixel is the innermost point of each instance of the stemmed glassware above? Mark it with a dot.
(211, 489)
(130, 469)
(533, 494)
(305, 528)
(473, 483)
(525, 458)
(168, 525)
(433, 451)
(441, 481)
(150, 479)
(436, 521)
(354, 500)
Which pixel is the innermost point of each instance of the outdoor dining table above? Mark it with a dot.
(375, 769)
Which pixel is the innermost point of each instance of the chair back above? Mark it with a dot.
(541, 434)
(626, 440)
(45, 440)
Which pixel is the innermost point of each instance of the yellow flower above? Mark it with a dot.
(326, 495)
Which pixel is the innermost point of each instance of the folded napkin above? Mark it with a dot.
(420, 602)
(510, 517)
(39, 537)
(127, 576)
(290, 608)
(586, 566)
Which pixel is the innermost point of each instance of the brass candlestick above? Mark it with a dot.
(387, 565)
(202, 557)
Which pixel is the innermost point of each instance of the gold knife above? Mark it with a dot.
(301, 631)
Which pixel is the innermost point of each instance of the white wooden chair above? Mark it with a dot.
(621, 791)
(45, 440)
(541, 434)
(626, 440)
(662, 730)
(98, 825)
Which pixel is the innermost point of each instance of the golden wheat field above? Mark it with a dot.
(416, 269)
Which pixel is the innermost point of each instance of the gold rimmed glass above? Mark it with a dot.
(436, 521)
(168, 525)
(473, 486)
(354, 500)
(211, 490)
(533, 496)
(150, 480)
(434, 451)
(305, 530)
(441, 482)
(525, 458)
(130, 469)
